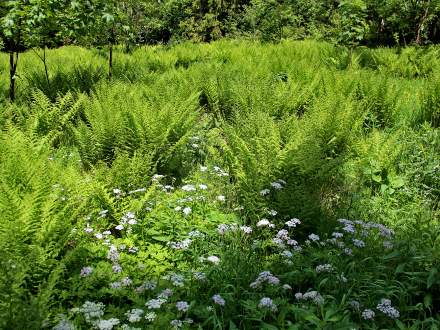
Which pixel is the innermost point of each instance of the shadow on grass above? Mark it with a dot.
(79, 79)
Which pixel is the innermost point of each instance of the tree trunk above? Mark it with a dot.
(110, 62)
(203, 7)
(421, 24)
(12, 71)
(45, 67)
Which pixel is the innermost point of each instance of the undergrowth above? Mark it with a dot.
(220, 186)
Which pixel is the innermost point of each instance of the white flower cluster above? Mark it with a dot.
(223, 228)
(272, 212)
(267, 303)
(195, 234)
(106, 324)
(314, 237)
(91, 310)
(128, 220)
(182, 306)
(183, 245)
(218, 300)
(147, 285)
(86, 271)
(200, 276)
(165, 294)
(326, 268)
(263, 277)
(140, 190)
(155, 303)
(276, 185)
(214, 259)
(311, 295)
(349, 227)
(176, 279)
(189, 187)
(134, 315)
(265, 223)
(385, 307)
(150, 316)
(177, 324)
(368, 314)
(292, 223)
(219, 172)
(358, 243)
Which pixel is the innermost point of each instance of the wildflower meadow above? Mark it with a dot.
(229, 185)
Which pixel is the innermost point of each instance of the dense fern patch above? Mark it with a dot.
(221, 186)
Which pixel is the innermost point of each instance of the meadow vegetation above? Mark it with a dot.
(230, 185)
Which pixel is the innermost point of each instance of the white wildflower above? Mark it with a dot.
(276, 185)
(200, 276)
(222, 228)
(92, 311)
(214, 259)
(287, 254)
(165, 294)
(385, 307)
(272, 212)
(182, 306)
(155, 303)
(314, 237)
(283, 234)
(263, 223)
(368, 314)
(263, 277)
(134, 315)
(292, 223)
(358, 243)
(218, 300)
(86, 271)
(188, 187)
(176, 324)
(264, 192)
(267, 303)
(326, 268)
(106, 324)
(150, 316)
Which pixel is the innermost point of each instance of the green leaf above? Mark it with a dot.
(161, 238)
(400, 324)
(397, 182)
(109, 18)
(427, 300)
(377, 178)
(432, 277)
(232, 326)
(400, 268)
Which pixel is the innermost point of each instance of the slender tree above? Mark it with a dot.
(14, 34)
